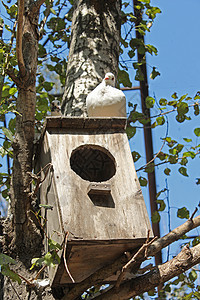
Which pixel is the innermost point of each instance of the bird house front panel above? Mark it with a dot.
(95, 182)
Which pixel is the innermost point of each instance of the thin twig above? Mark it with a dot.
(64, 258)
(143, 167)
(42, 227)
(22, 277)
(38, 178)
(125, 268)
(14, 289)
(20, 58)
(49, 164)
(39, 272)
(165, 162)
(43, 22)
(192, 216)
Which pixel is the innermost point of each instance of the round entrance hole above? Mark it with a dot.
(93, 163)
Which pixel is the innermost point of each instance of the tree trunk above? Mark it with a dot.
(22, 237)
(24, 137)
(94, 50)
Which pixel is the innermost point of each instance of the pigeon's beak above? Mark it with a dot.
(106, 78)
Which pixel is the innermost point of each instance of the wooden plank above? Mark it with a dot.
(84, 260)
(99, 189)
(87, 123)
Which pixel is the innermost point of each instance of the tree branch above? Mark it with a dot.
(186, 259)
(132, 261)
(20, 59)
(15, 79)
(43, 22)
(118, 264)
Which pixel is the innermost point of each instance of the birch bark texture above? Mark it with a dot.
(94, 50)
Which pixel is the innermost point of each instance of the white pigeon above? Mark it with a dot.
(105, 100)
(55, 108)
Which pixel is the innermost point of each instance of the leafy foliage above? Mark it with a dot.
(5, 261)
(51, 258)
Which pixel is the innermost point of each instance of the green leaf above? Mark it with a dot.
(170, 142)
(184, 161)
(162, 156)
(5, 259)
(151, 49)
(12, 91)
(123, 77)
(196, 109)
(162, 205)
(183, 213)
(178, 148)
(11, 125)
(56, 24)
(149, 102)
(167, 171)
(167, 288)
(189, 154)
(152, 292)
(143, 181)
(135, 43)
(163, 102)
(172, 103)
(5, 270)
(183, 171)
(130, 131)
(50, 259)
(37, 262)
(193, 275)
(182, 108)
(197, 96)
(197, 181)
(180, 118)
(160, 120)
(135, 156)
(149, 168)
(195, 241)
(141, 49)
(197, 131)
(131, 53)
(52, 11)
(139, 75)
(48, 86)
(8, 134)
(174, 96)
(183, 97)
(172, 159)
(187, 140)
(155, 218)
(54, 245)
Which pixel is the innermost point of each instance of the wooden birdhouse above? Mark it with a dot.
(94, 192)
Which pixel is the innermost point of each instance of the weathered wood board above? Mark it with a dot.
(104, 223)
